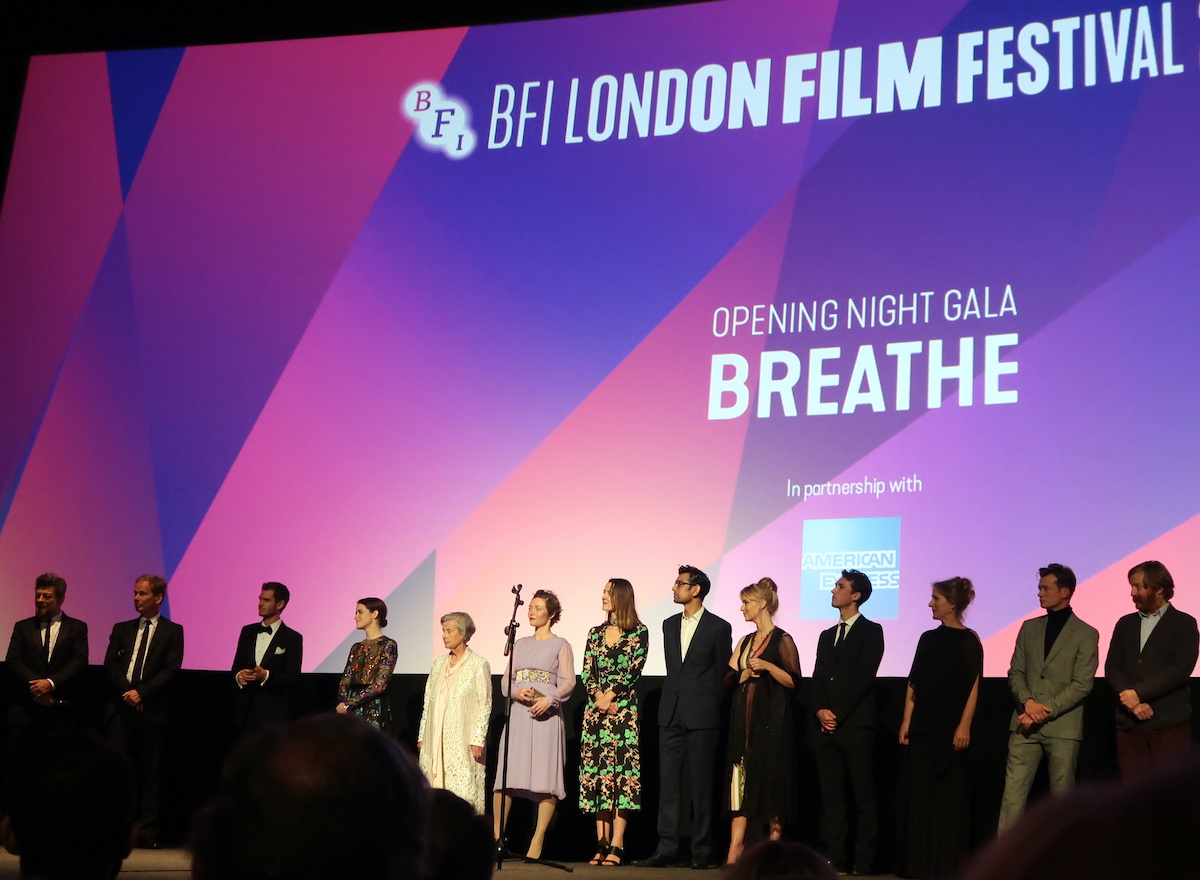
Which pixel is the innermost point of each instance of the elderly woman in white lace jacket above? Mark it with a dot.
(454, 721)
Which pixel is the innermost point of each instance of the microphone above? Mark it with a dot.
(511, 629)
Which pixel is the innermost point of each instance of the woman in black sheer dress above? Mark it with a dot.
(762, 741)
(934, 810)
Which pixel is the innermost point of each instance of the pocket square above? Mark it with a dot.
(281, 650)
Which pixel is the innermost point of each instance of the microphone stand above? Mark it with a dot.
(510, 633)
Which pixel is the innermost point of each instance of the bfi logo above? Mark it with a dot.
(443, 123)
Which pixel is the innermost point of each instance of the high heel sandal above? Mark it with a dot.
(602, 851)
(614, 852)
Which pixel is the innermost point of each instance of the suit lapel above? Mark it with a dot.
(672, 650)
(269, 653)
(1066, 636)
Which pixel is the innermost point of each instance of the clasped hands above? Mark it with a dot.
(42, 691)
(1035, 714)
(754, 667)
(1134, 705)
(538, 705)
(248, 675)
(606, 702)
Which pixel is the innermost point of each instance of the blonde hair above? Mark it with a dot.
(764, 591)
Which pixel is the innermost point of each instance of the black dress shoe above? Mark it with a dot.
(658, 860)
(862, 871)
(701, 863)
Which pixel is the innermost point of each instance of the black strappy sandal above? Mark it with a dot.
(602, 851)
(614, 852)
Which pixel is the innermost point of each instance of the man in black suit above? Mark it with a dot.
(267, 662)
(1150, 660)
(46, 654)
(848, 657)
(143, 656)
(697, 645)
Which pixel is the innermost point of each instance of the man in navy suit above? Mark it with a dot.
(143, 656)
(697, 645)
(1150, 660)
(848, 658)
(46, 654)
(267, 663)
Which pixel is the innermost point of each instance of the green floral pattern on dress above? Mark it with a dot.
(609, 763)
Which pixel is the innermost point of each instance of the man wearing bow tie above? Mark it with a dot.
(46, 655)
(143, 656)
(267, 662)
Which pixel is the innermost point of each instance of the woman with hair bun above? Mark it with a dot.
(543, 678)
(766, 667)
(363, 688)
(933, 819)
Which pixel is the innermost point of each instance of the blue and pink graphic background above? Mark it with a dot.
(250, 331)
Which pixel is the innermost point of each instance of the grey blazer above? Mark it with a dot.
(1061, 680)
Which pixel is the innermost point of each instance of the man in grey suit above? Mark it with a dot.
(1053, 669)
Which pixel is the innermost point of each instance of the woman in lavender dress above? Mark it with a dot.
(543, 678)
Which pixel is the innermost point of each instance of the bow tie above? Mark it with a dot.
(264, 629)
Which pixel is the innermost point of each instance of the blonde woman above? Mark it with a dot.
(454, 721)
(762, 738)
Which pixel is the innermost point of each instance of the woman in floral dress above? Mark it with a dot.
(609, 764)
(363, 688)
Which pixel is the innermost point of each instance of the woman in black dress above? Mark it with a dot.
(934, 811)
(761, 730)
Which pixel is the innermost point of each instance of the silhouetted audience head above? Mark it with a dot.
(325, 798)
(780, 859)
(460, 840)
(1145, 828)
(72, 809)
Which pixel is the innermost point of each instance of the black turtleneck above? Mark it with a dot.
(1055, 621)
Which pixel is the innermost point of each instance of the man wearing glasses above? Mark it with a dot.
(697, 645)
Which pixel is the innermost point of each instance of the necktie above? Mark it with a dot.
(841, 634)
(47, 644)
(144, 635)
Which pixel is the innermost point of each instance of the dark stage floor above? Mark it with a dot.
(175, 864)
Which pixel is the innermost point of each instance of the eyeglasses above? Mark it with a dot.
(684, 584)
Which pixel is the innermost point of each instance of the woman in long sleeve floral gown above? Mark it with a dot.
(363, 688)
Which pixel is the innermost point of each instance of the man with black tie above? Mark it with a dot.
(267, 663)
(46, 654)
(1052, 671)
(142, 658)
(1150, 661)
(697, 645)
(848, 658)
